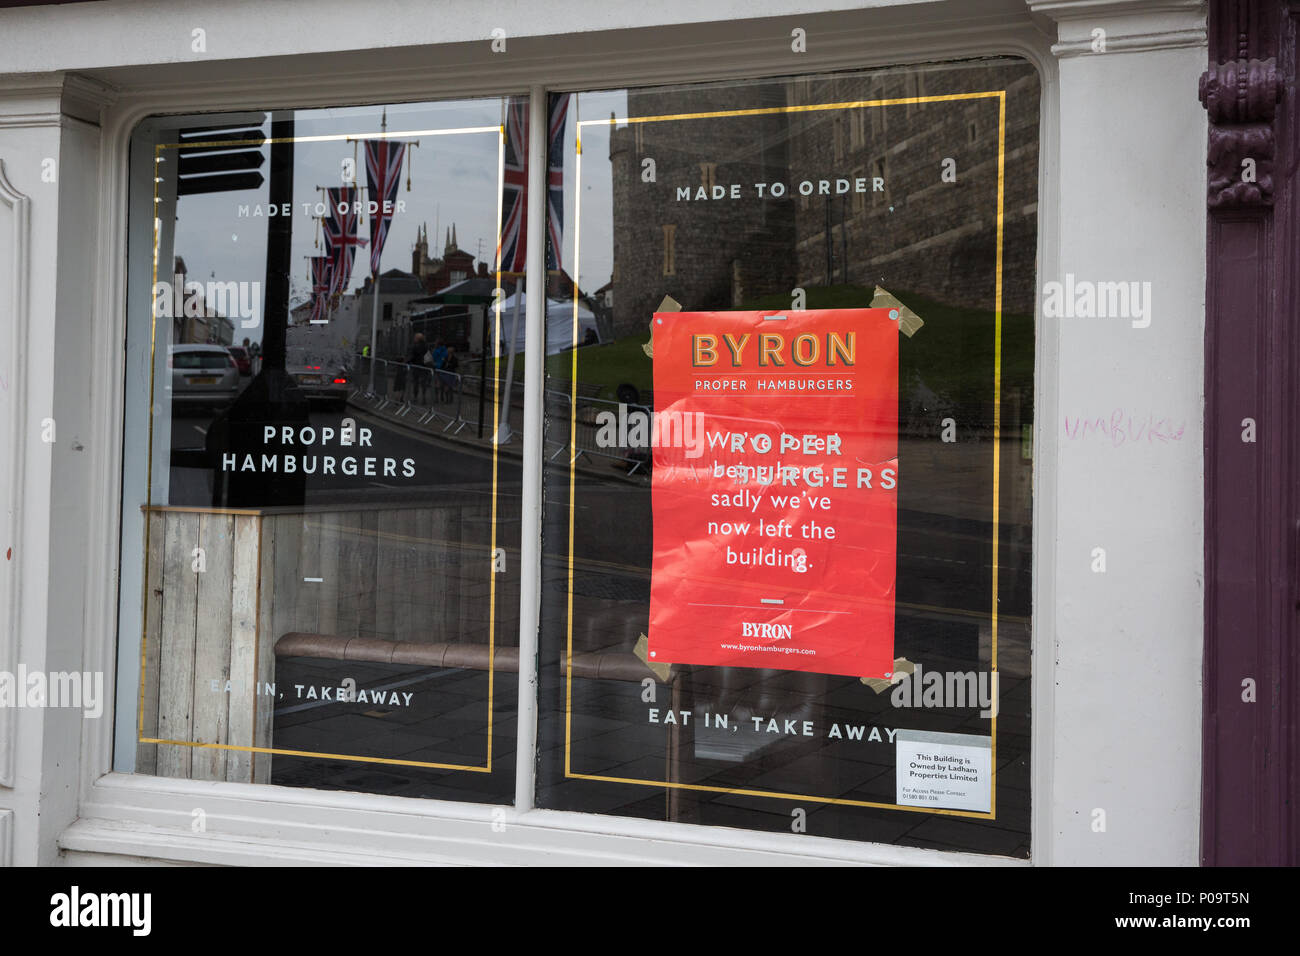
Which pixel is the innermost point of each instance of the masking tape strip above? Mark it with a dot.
(669, 304)
(909, 323)
(641, 650)
(902, 666)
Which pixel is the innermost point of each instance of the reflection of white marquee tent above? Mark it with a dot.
(559, 322)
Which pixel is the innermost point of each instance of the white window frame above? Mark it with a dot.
(124, 815)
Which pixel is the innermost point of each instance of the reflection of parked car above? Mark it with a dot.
(202, 375)
(242, 359)
(321, 384)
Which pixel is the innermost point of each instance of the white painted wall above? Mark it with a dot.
(1127, 710)
(1117, 664)
(55, 381)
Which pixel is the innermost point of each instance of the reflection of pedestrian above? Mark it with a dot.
(447, 376)
(419, 370)
(399, 380)
(439, 355)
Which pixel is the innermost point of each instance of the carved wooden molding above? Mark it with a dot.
(16, 207)
(1241, 98)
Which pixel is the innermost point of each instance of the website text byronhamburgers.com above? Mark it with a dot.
(773, 648)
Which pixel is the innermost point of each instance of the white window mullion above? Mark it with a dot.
(530, 532)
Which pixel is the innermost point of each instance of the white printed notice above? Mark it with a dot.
(952, 771)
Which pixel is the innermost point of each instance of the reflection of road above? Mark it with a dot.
(437, 463)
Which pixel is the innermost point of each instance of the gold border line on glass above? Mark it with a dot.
(496, 448)
(148, 479)
(807, 108)
(309, 753)
(573, 437)
(1001, 97)
(997, 432)
(149, 507)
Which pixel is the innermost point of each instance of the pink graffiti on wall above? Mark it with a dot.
(1124, 428)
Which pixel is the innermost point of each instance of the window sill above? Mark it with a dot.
(154, 819)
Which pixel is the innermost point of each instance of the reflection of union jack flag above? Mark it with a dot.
(322, 273)
(384, 175)
(341, 238)
(514, 200)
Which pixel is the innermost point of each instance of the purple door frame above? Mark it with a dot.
(1252, 382)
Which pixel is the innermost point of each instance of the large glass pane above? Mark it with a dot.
(839, 646)
(322, 481)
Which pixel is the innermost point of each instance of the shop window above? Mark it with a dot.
(328, 548)
(785, 569)
(715, 651)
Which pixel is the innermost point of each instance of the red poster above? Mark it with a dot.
(775, 490)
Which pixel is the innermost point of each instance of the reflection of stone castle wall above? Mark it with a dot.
(715, 243)
(938, 241)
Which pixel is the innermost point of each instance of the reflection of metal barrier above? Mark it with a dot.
(586, 421)
(454, 402)
(424, 395)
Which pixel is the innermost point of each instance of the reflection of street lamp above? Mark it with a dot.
(272, 397)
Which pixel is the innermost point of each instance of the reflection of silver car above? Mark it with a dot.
(322, 383)
(203, 375)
